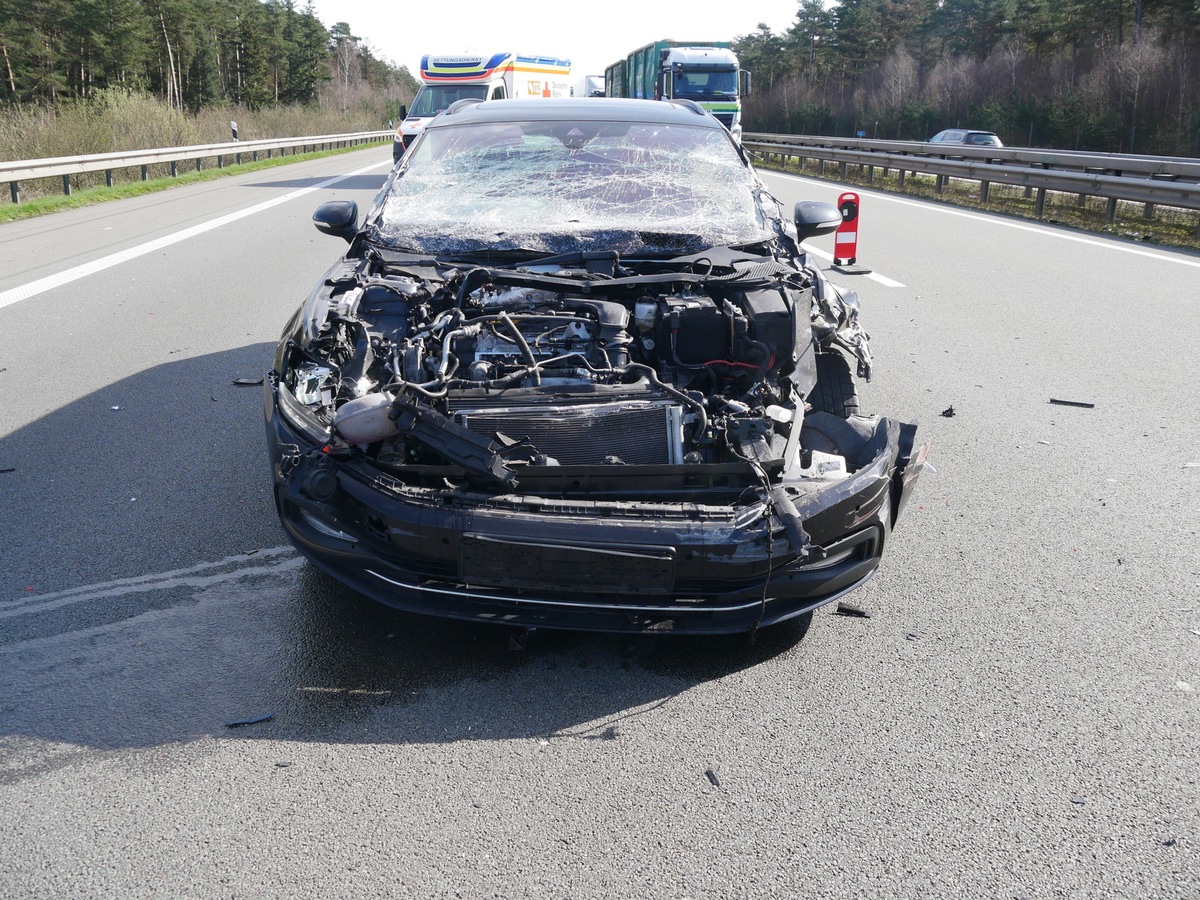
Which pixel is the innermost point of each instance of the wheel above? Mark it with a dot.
(835, 392)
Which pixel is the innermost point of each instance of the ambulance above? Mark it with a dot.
(500, 76)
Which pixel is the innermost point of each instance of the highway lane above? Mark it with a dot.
(1018, 716)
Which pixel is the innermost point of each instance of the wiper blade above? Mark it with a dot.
(500, 257)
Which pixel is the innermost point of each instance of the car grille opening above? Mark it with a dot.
(637, 433)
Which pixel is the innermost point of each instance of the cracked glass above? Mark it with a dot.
(573, 185)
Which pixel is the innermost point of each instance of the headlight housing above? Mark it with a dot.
(300, 417)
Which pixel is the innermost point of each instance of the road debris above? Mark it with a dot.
(518, 643)
(847, 609)
(1078, 403)
(252, 721)
(8, 469)
(948, 412)
(712, 777)
(1077, 800)
(246, 382)
(116, 408)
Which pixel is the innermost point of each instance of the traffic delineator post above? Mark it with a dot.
(845, 240)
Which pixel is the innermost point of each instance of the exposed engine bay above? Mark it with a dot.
(573, 361)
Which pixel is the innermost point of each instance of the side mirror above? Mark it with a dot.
(814, 217)
(402, 114)
(337, 217)
(666, 85)
(744, 82)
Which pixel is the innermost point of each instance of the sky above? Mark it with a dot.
(591, 35)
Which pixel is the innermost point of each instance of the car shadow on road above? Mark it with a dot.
(355, 663)
(150, 597)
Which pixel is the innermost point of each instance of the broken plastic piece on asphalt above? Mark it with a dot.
(1192, 465)
(247, 381)
(846, 609)
(1077, 800)
(911, 636)
(1169, 842)
(928, 467)
(114, 408)
(948, 412)
(712, 777)
(7, 470)
(252, 721)
(1078, 403)
(1047, 443)
(283, 763)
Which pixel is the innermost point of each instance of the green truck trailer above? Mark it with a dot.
(704, 71)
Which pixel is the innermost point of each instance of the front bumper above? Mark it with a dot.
(615, 566)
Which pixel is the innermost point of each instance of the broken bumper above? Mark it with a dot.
(594, 566)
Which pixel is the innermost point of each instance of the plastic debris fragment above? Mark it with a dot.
(251, 721)
(712, 777)
(846, 609)
(1078, 403)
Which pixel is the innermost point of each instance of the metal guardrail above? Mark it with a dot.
(17, 171)
(1154, 181)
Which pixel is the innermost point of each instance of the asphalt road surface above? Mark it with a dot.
(1016, 718)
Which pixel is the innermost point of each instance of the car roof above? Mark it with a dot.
(581, 109)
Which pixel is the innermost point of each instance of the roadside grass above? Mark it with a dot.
(89, 196)
(1164, 226)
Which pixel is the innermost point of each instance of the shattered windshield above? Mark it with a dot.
(564, 186)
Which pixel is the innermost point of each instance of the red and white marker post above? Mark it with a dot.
(845, 240)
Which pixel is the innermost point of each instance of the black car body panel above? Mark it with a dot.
(610, 414)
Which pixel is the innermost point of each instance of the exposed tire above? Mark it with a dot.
(835, 392)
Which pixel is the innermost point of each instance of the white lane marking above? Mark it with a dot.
(245, 567)
(997, 220)
(33, 288)
(874, 276)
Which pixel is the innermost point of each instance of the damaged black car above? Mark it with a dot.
(576, 370)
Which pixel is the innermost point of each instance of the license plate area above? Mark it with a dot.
(485, 560)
